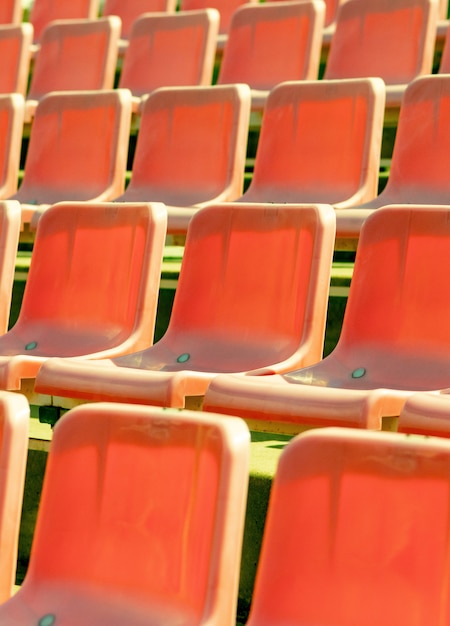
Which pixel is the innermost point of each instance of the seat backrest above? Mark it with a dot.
(191, 145)
(143, 510)
(361, 519)
(78, 147)
(169, 50)
(421, 154)
(392, 40)
(14, 424)
(15, 42)
(320, 141)
(11, 12)
(273, 42)
(9, 240)
(131, 10)
(44, 11)
(76, 55)
(11, 130)
(253, 287)
(226, 9)
(93, 280)
(395, 328)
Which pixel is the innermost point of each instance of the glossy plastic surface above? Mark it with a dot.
(92, 287)
(14, 420)
(141, 521)
(191, 149)
(320, 141)
(273, 42)
(356, 533)
(170, 50)
(252, 295)
(392, 40)
(78, 149)
(15, 42)
(44, 11)
(9, 240)
(131, 10)
(11, 130)
(395, 337)
(426, 413)
(75, 55)
(11, 12)
(226, 9)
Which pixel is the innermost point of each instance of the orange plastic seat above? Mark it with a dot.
(271, 43)
(11, 129)
(43, 12)
(74, 55)
(78, 150)
(190, 150)
(15, 42)
(426, 413)
(11, 12)
(252, 295)
(140, 521)
(131, 10)
(420, 158)
(92, 287)
(395, 337)
(320, 141)
(356, 532)
(14, 420)
(170, 50)
(9, 240)
(392, 40)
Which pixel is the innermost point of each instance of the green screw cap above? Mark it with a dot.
(358, 372)
(183, 357)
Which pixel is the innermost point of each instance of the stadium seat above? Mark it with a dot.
(252, 295)
(165, 50)
(15, 42)
(271, 43)
(14, 421)
(190, 150)
(131, 10)
(320, 141)
(74, 55)
(420, 162)
(356, 532)
(44, 11)
(92, 287)
(141, 521)
(392, 40)
(426, 413)
(9, 240)
(11, 129)
(11, 12)
(78, 150)
(394, 341)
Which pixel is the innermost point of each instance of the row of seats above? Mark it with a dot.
(320, 141)
(142, 513)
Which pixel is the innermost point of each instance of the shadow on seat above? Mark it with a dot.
(74, 55)
(272, 43)
(394, 341)
(14, 421)
(168, 50)
(190, 149)
(141, 520)
(78, 150)
(356, 517)
(252, 295)
(92, 287)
